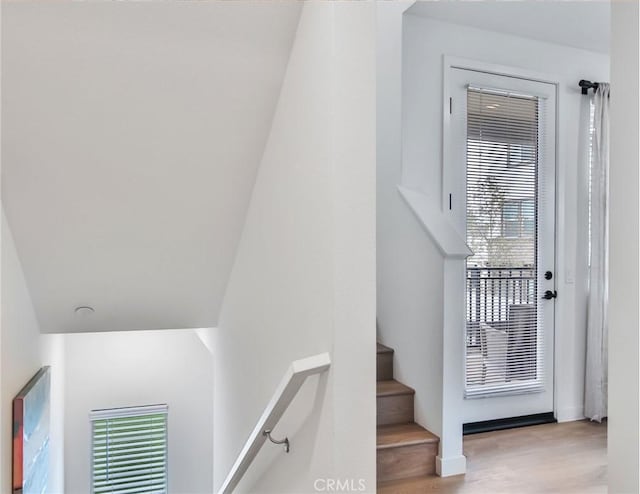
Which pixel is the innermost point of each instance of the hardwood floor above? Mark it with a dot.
(563, 458)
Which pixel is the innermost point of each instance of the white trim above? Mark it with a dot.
(114, 413)
(291, 382)
(455, 465)
(450, 63)
(453, 62)
(123, 412)
(569, 414)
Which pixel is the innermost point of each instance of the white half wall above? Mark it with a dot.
(303, 279)
(623, 276)
(120, 369)
(23, 350)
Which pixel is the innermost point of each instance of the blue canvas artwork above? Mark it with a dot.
(31, 435)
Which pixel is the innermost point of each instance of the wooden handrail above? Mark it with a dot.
(284, 394)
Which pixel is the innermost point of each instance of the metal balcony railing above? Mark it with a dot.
(490, 293)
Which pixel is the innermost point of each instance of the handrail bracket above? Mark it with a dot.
(284, 441)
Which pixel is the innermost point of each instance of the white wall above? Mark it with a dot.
(410, 268)
(23, 351)
(409, 282)
(119, 369)
(303, 280)
(623, 281)
(425, 42)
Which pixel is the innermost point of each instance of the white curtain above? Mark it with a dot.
(595, 405)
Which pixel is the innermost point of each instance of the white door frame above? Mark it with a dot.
(451, 63)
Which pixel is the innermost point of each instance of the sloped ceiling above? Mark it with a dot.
(131, 136)
(578, 23)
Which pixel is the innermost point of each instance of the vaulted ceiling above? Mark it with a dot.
(131, 136)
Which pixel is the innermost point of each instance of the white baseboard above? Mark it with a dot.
(455, 465)
(569, 414)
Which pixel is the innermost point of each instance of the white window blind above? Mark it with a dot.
(129, 450)
(503, 337)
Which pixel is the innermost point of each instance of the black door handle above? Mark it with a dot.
(548, 295)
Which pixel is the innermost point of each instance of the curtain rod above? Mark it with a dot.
(586, 85)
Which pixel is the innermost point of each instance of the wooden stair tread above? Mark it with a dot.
(405, 451)
(390, 436)
(392, 388)
(383, 349)
(411, 485)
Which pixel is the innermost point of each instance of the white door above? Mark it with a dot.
(500, 190)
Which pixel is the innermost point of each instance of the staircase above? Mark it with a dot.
(406, 452)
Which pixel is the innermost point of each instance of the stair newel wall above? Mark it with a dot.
(451, 461)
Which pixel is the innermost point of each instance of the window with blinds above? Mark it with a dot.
(129, 450)
(503, 337)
